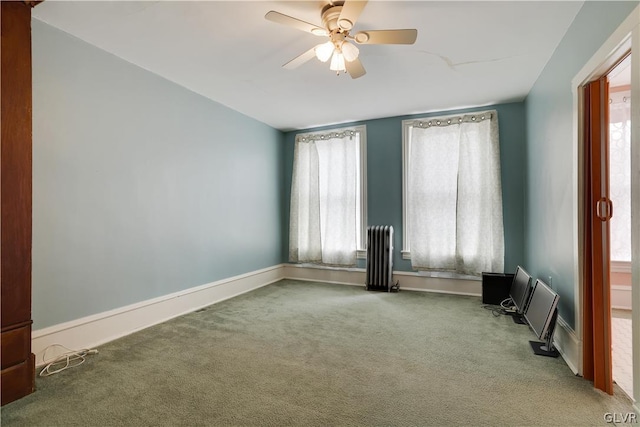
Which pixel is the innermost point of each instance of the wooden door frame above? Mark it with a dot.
(625, 38)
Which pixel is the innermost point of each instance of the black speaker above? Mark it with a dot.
(495, 287)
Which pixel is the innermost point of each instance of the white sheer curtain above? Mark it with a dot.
(454, 195)
(323, 221)
(620, 174)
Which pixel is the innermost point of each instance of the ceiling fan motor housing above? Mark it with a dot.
(330, 15)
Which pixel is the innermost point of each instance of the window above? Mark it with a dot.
(328, 197)
(452, 195)
(620, 174)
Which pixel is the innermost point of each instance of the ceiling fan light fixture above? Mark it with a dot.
(324, 51)
(338, 19)
(350, 52)
(337, 62)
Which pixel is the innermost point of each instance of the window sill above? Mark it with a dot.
(449, 275)
(620, 267)
(441, 274)
(324, 267)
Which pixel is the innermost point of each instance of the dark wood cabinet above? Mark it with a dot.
(18, 363)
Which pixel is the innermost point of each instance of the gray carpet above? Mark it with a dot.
(313, 354)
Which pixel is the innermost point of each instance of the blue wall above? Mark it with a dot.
(141, 188)
(550, 220)
(384, 178)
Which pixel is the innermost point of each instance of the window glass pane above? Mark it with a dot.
(452, 194)
(337, 185)
(432, 195)
(620, 175)
(328, 197)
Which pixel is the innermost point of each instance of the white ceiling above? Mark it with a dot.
(467, 53)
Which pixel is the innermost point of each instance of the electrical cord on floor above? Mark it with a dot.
(506, 308)
(69, 359)
(496, 311)
(507, 303)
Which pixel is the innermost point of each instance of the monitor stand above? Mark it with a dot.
(546, 348)
(518, 318)
(542, 349)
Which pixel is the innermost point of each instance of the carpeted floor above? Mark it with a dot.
(313, 354)
(622, 349)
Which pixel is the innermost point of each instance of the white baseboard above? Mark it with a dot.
(347, 276)
(621, 297)
(565, 339)
(409, 281)
(569, 346)
(97, 329)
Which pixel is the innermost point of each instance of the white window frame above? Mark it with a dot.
(407, 125)
(361, 130)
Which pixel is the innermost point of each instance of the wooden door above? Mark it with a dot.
(18, 367)
(598, 210)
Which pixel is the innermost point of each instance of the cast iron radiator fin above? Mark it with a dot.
(380, 259)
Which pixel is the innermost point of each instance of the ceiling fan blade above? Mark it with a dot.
(280, 18)
(355, 68)
(300, 59)
(386, 36)
(351, 10)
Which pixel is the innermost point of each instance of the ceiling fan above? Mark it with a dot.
(338, 19)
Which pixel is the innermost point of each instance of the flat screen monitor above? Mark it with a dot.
(541, 315)
(519, 293)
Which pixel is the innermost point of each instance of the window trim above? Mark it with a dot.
(361, 130)
(407, 125)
